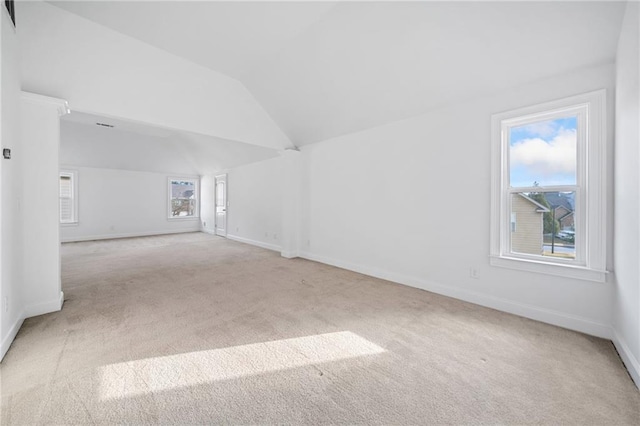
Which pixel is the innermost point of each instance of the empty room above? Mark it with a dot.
(329, 212)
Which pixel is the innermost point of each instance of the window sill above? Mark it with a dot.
(65, 224)
(178, 218)
(567, 271)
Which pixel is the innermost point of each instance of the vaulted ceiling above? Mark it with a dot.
(323, 69)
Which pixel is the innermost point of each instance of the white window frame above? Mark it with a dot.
(591, 201)
(74, 200)
(196, 182)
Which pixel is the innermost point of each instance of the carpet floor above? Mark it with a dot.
(195, 329)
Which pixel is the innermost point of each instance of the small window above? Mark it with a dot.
(68, 197)
(548, 199)
(183, 198)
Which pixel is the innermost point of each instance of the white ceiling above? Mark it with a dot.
(323, 69)
(141, 147)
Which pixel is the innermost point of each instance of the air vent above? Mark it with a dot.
(104, 125)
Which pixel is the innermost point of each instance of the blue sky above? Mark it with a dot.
(544, 152)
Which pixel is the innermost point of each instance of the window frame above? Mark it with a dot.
(590, 188)
(74, 197)
(196, 181)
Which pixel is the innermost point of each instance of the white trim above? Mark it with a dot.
(567, 271)
(42, 308)
(257, 243)
(591, 199)
(629, 360)
(127, 235)
(63, 106)
(560, 319)
(11, 335)
(28, 312)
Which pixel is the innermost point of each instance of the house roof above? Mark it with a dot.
(557, 199)
(541, 208)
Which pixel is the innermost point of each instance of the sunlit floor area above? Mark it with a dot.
(197, 329)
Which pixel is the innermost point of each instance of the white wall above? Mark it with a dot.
(10, 187)
(101, 71)
(40, 135)
(410, 202)
(626, 310)
(139, 147)
(100, 147)
(208, 203)
(255, 203)
(122, 203)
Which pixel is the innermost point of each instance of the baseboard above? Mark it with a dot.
(629, 360)
(208, 231)
(267, 246)
(127, 235)
(11, 335)
(42, 308)
(290, 254)
(561, 319)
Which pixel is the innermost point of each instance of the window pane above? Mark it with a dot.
(65, 186)
(183, 198)
(66, 209)
(542, 224)
(543, 153)
(66, 199)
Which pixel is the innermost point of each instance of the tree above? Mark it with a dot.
(550, 224)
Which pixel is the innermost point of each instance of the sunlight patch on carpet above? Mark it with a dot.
(164, 373)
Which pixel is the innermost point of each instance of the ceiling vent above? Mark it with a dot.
(104, 125)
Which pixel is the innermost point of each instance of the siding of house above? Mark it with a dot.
(527, 237)
(565, 218)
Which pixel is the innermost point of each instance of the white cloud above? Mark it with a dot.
(544, 129)
(546, 158)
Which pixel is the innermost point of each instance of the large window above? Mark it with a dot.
(548, 195)
(183, 198)
(68, 197)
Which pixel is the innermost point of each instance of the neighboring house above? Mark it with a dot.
(182, 199)
(563, 206)
(527, 225)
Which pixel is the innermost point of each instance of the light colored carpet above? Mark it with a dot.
(194, 329)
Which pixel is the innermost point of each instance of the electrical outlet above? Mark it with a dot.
(275, 236)
(237, 228)
(5, 304)
(473, 273)
(204, 224)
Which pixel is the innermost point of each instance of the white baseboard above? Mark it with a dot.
(127, 235)
(290, 254)
(629, 360)
(267, 246)
(208, 231)
(13, 332)
(561, 319)
(42, 308)
(28, 312)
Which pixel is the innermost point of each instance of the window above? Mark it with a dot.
(68, 196)
(183, 198)
(548, 188)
